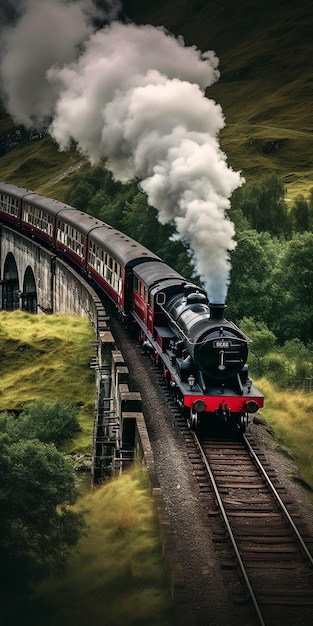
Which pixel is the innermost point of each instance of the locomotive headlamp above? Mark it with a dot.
(191, 381)
(252, 406)
(249, 384)
(198, 406)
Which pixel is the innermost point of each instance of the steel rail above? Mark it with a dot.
(278, 498)
(231, 535)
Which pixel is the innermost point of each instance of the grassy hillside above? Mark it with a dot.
(117, 574)
(265, 90)
(47, 357)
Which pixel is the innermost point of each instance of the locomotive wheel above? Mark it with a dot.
(242, 423)
(192, 420)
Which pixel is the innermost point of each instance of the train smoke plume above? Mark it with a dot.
(135, 96)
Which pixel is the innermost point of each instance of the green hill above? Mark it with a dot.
(265, 90)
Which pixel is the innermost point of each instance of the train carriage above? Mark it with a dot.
(111, 259)
(71, 235)
(38, 217)
(151, 286)
(11, 203)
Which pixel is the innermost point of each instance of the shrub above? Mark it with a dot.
(49, 422)
(276, 368)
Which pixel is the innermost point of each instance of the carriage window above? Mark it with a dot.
(37, 217)
(136, 283)
(105, 266)
(98, 258)
(9, 205)
(160, 298)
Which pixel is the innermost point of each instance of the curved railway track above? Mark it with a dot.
(269, 544)
(279, 572)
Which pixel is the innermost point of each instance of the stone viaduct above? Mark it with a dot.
(33, 279)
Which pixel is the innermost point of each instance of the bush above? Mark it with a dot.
(276, 368)
(50, 423)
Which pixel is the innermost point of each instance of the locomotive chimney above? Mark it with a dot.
(217, 312)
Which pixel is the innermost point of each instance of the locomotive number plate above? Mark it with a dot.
(221, 344)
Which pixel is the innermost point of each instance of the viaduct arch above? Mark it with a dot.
(15, 295)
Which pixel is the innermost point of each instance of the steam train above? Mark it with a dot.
(202, 355)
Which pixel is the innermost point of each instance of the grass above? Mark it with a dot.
(48, 357)
(39, 166)
(290, 413)
(117, 575)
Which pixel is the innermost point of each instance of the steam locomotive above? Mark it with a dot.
(202, 355)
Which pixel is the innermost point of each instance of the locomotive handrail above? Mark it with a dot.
(244, 338)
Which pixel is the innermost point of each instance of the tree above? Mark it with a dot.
(252, 264)
(97, 193)
(295, 307)
(301, 359)
(273, 213)
(38, 527)
(263, 204)
(80, 195)
(263, 342)
(140, 221)
(301, 215)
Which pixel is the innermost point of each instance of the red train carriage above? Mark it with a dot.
(149, 283)
(11, 203)
(111, 258)
(71, 235)
(38, 217)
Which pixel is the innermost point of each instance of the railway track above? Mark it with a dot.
(269, 545)
(273, 561)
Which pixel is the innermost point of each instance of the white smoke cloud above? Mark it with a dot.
(40, 34)
(135, 96)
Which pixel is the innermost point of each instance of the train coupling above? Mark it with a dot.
(223, 412)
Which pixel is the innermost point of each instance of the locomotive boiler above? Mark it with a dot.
(217, 347)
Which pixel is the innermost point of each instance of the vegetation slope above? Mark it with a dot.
(39, 362)
(117, 568)
(265, 87)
